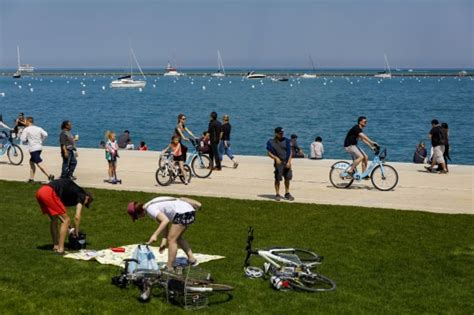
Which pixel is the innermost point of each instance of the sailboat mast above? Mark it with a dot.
(312, 63)
(220, 64)
(18, 56)
(386, 63)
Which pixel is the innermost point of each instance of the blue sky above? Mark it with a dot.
(249, 34)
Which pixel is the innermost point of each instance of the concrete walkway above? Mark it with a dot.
(253, 179)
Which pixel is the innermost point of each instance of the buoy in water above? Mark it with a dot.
(140, 90)
(2, 94)
(31, 90)
(203, 87)
(253, 86)
(103, 87)
(83, 92)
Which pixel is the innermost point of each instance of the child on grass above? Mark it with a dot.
(111, 155)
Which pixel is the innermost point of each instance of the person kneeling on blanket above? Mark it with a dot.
(174, 215)
(53, 199)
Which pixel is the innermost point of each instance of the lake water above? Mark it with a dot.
(399, 110)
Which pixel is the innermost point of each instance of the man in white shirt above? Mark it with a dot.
(34, 136)
(316, 150)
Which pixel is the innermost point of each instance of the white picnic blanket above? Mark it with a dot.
(108, 257)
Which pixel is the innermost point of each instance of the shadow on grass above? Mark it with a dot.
(46, 247)
(267, 196)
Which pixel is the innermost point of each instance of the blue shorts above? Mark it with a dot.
(35, 157)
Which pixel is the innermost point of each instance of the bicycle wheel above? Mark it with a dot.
(15, 154)
(305, 256)
(163, 176)
(336, 177)
(201, 166)
(187, 174)
(386, 180)
(318, 283)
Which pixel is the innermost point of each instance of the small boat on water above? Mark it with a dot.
(220, 67)
(279, 79)
(254, 75)
(386, 74)
(310, 75)
(127, 81)
(171, 71)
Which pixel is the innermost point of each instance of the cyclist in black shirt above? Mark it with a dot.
(350, 144)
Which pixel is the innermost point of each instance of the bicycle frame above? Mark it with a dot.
(194, 153)
(377, 160)
(8, 143)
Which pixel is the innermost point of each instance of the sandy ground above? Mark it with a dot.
(253, 179)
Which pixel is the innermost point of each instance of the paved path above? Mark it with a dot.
(253, 179)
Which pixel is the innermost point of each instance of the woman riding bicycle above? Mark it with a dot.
(180, 130)
(179, 156)
(174, 216)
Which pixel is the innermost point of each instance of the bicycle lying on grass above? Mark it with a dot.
(169, 171)
(8, 147)
(288, 268)
(188, 286)
(384, 177)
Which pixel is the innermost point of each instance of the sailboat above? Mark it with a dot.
(171, 71)
(127, 81)
(308, 75)
(386, 74)
(220, 66)
(21, 68)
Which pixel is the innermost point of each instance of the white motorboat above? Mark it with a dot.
(310, 75)
(171, 71)
(127, 81)
(220, 67)
(386, 74)
(254, 75)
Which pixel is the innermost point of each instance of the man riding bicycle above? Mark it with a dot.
(350, 145)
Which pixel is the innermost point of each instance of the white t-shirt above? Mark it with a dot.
(35, 137)
(167, 206)
(316, 150)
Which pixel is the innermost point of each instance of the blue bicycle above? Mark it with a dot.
(12, 150)
(384, 177)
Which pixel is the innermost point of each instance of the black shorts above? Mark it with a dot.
(184, 218)
(35, 157)
(179, 158)
(282, 172)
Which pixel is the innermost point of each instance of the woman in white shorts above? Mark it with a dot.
(174, 215)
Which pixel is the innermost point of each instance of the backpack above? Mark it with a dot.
(145, 257)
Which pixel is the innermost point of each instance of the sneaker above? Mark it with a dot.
(289, 197)
(193, 263)
(51, 177)
(429, 169)
(30, 181)
(277, 197)
(236, 165)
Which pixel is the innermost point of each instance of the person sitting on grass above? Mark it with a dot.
(174, 216)
(53, 199)
(178, 156)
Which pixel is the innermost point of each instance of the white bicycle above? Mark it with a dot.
(289, 268)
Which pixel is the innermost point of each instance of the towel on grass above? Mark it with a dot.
(108, 257)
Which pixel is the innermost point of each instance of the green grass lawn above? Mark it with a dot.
(384, 261)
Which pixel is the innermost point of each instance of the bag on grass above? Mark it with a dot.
(77, 242)
(145, 257)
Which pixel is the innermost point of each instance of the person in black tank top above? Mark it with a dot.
(224, 145)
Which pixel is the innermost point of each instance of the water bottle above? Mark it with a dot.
(278, 283)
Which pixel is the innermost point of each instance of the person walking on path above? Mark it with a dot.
(446, 156)
(214, 130)
(224, 145)
(67, 143)
(174, 217)
(350, 145)
(437, 142)
(279, 150)
(111, 155)
(53, 199)
(316, 150)
(34, 136)
(181, 130)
